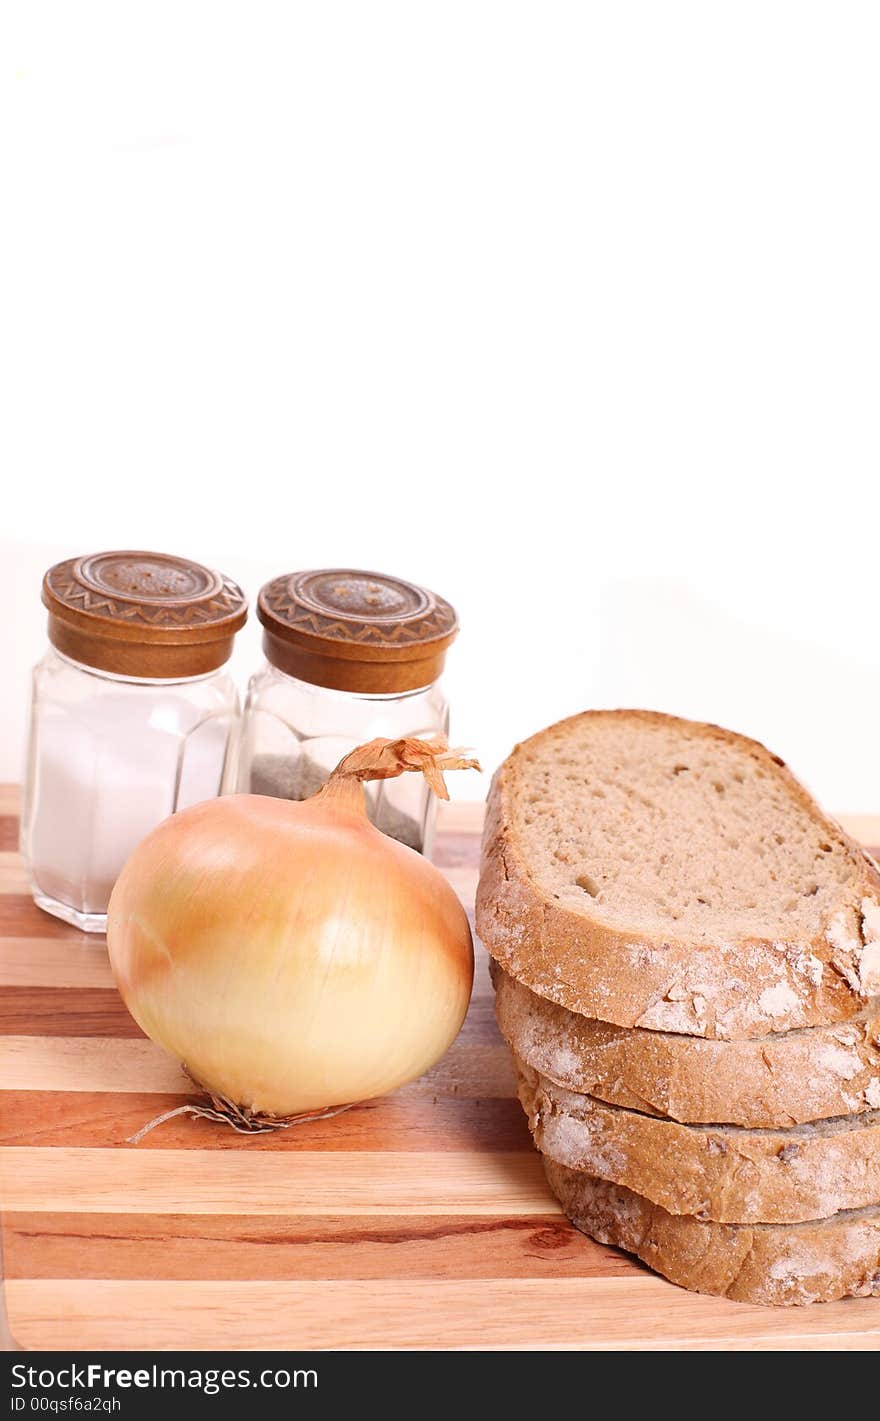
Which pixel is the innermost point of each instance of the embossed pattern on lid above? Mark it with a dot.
(357, 631)
(143, 614)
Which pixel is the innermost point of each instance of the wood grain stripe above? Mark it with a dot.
(401, 1121)
(289, 1181)
(79, 1064)
(20, 917)
(65, 1011)
(8, 832)
(13, 878)
(95, 1011)
(588, 1313)
(226, 1246)
(81, 961)
(57, 1063)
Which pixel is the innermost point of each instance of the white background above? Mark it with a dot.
(571, 312)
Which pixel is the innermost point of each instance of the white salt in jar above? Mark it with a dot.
(349, 656)
(132, 717)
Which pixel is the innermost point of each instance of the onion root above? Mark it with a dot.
(239, 1117)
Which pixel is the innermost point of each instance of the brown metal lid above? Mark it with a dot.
(143, 614)
(355, 631)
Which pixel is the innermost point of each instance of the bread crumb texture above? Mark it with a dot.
(659, 873)
(650, 819)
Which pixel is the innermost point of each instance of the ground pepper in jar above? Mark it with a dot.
(350, 656)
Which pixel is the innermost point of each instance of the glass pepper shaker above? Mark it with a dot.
(349, 656)
(132, 717)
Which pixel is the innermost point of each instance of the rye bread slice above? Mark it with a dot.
(780, 1265)
(789, 1078)
(718, 1172)
(655, 872)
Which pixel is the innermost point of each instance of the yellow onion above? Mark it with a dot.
(293, 958)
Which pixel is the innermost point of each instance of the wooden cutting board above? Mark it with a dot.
(420, 1220)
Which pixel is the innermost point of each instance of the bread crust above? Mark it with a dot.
(778, 1265)
(722, 1173)
(722, 991)
(777, 1080)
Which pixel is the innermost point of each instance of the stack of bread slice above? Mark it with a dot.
(687, 969)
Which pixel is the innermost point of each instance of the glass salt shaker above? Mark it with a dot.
(349, 656)
(132, 717)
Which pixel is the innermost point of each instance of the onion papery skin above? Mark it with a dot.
(291, 956)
